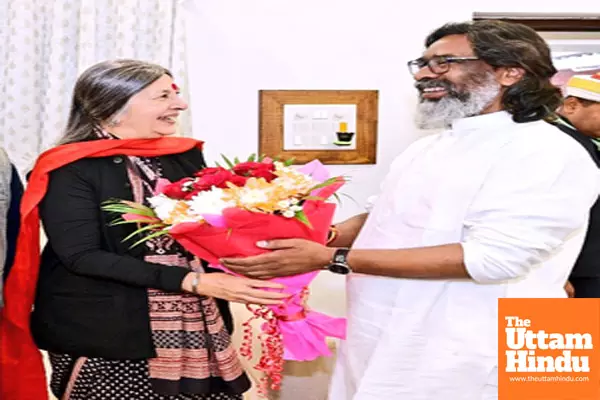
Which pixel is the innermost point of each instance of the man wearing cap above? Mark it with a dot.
(579, 117)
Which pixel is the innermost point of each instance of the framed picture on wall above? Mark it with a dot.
(574, 53)
(333, 126)
(574, 40)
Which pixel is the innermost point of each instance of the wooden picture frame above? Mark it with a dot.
(548, 22)
(271, 125)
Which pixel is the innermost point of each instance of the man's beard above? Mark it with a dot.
(439, 114)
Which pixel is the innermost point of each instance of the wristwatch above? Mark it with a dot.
(339, 262)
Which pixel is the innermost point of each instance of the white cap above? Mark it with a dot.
(584, 86)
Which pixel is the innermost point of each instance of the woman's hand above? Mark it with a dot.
(235, 288)
(289, 257)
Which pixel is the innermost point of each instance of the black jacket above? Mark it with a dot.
(588, 262)
(91, 294)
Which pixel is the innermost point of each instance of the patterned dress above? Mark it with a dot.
(99, 379)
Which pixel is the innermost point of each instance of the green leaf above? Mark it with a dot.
(252, 157)
(323, 184)
(300, 216)
(144, 229)
(318, 198)
(227, 161)
(110, 206)
(261, 157)
(351, 198)
(236, 160)
(337, 198)
(121, 221)
(131, 221)
(129, 208)
(289, 162)
(118, 208)
(218, 165)
(162, 232)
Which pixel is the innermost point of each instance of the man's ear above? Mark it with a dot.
(508, 76)
(570, 105)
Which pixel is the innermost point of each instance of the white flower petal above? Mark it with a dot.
(289, 214)
(162, 206)
(209, 202)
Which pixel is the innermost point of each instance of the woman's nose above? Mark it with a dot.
(180, 104)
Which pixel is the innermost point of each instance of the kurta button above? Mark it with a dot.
(118, 160)
(127, 185)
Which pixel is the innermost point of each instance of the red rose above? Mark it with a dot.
(263, 173)
(238, 180)
(179, 190)
(246, 167)
(209, 171)
(218, 178)
(256, 170)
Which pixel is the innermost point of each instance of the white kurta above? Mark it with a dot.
(517, 197)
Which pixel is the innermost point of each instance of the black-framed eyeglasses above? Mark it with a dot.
(437, 64)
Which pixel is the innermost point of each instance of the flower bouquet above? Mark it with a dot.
(223, 212)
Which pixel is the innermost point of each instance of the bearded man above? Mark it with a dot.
(494, 206)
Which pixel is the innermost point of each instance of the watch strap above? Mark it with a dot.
(340, 256)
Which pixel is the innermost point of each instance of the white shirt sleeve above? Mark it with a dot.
(528, 206)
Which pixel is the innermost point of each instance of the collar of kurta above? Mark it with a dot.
(483, 121)
(22, 374)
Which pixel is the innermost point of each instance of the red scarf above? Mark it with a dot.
(22, 375)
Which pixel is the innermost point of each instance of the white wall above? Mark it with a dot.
(238, 47)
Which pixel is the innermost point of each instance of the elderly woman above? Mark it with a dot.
(121, 322)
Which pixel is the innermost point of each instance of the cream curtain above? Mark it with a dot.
(46, 44)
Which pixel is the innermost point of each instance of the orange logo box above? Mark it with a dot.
(549, 349)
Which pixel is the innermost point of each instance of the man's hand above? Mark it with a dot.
(289, 257)
(570, 289)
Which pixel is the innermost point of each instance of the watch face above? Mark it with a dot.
(340, 258)
(339, 268)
